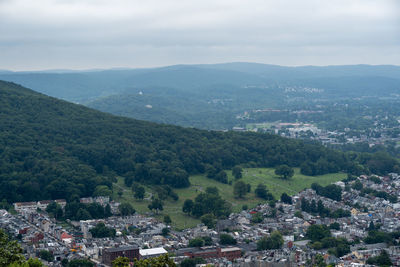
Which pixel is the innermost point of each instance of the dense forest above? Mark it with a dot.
(53, 149)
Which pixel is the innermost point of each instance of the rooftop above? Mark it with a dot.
(152, 251)
(117, 249)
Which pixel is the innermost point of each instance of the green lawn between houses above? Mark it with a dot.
(199, 183)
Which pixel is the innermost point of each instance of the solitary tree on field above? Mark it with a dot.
(239, 189)
(284, 171)
(156, 204)
(237, 172)
(138, 192)
(188, 206)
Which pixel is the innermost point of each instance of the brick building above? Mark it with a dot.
(110, 254)
(230, 253)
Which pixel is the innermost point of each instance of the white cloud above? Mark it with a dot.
(97, 33)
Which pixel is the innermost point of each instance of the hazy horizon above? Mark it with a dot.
(194, 64)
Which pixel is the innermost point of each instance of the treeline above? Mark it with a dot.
(207, 203)
(79, 211)
(331, 191)
(321, 238)
(319, 208)
(51, 149)
(381, 194)
(357, 185)
(376, 236)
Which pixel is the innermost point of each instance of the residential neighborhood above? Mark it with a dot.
(141, 237)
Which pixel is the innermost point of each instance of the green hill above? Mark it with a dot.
(53, 149)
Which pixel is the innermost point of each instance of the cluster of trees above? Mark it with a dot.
(321, 238)
(209, 220)
(11, 253)
(200, 241)
(261, 191)
(101, 230)
(192, 262)
(79, 211)
(285, 198)
(274, 241)
(55, 210)
(284, 171)
(319, 208)
(382, 260)
(208, 202)
(240, 189)
(381, 194)
(376, 236)
(156, 204)
(138, 191)
(357, 185)
(126, 209)
(331, 191)
(164, 192)
(162, 261)
(46, 255)
(257, 217)
(334, 226)
(227, 239)
(237, 172)
(47, 152)
(336, 246)
(317, 232)
(216, 173)
(375, 179)
(77, 263)
(379, 163)
(321, 166)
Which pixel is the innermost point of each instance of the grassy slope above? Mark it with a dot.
(252, 176)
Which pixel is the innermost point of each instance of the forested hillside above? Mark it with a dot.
(52, 149)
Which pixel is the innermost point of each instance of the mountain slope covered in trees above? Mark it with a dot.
(53, 149)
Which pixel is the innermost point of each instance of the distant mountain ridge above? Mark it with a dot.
(209, 96)
(68, 84)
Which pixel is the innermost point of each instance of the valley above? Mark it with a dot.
(82, 174)
(199, 133)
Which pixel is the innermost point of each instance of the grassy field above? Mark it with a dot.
(199, 183)
(265, 125)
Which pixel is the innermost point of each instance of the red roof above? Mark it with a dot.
(65, 235)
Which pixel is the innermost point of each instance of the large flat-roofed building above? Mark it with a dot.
(25, 206)
(230, 253)
(20, 206)
(110, 254)
(152, 252)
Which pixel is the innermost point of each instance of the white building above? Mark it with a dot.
(152, 252)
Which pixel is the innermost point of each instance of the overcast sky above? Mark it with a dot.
(85, 34)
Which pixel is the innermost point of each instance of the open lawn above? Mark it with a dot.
(265, 125)
(199, 183)
(172, 208)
